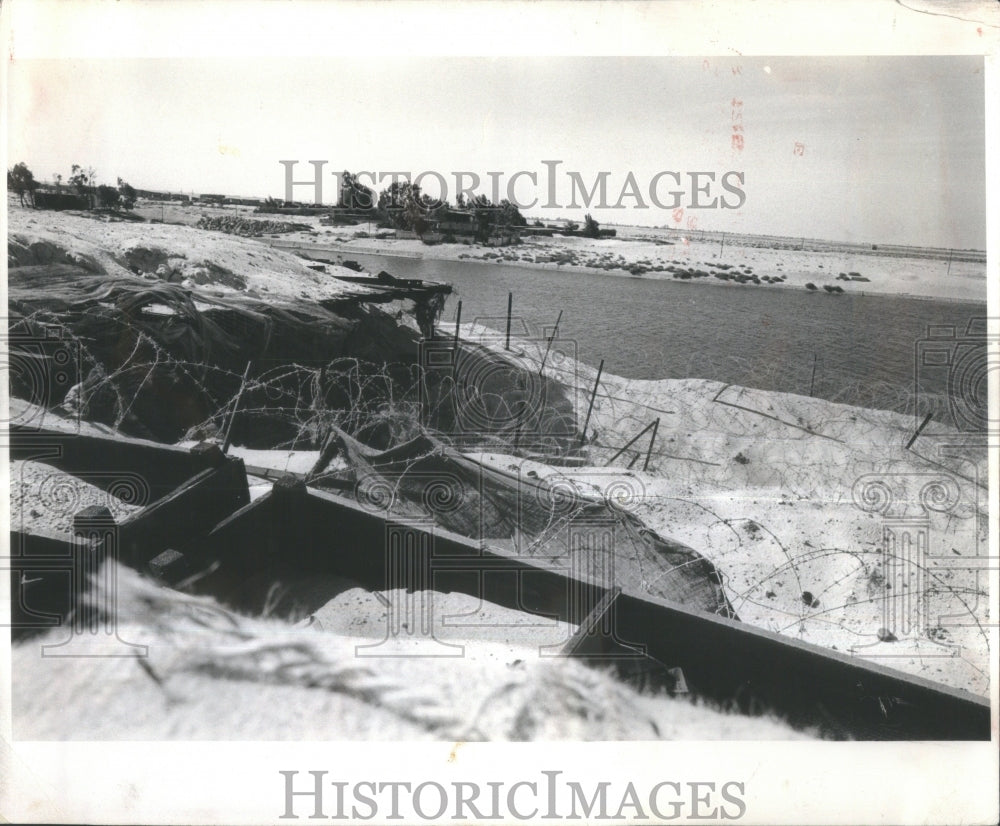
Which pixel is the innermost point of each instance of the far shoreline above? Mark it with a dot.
(299, 247)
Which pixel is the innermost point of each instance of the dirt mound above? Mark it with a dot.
(171, 253)
(142, 259)
(23, 251)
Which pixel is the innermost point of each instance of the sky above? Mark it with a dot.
(861, 149)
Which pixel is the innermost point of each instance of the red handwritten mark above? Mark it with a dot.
(692, 222)
(737, 117)
(705, 65)
(737, 70)
(678, 215)
(800, 149)
(979, 31)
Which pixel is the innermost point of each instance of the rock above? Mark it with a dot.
(809, 599)
(92, 517)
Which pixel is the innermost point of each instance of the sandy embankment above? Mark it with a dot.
(768, 486)
(45, 500)
(211, 675)
(644, 247)
(887, 275)
(213, 262)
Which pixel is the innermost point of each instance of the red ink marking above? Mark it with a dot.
(800, 149)
(979, 31)
(737, 117)
(737, 70)
(678, 215)
(705, 65)
(692, 222)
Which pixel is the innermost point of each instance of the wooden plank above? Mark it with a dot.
(726, 660)
(297, 530)
(597, 643)
(177, 519)
(595, 637)
(56, 567)
(162, 467)
(721, 658)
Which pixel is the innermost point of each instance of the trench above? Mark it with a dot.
(388, 410)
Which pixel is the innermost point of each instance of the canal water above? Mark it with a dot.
(863, 350)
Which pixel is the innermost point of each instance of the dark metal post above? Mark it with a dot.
(590, 407)
(548, 346)
(629, 444)
(458, 321)
(812, 381)
(454, 346)
(652, 439)
(923, 424)
(510, 304)
(227, 441)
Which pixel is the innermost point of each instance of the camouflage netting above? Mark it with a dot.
(553, 523)
(155, 359)
(161, 361)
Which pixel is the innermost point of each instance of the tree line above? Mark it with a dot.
(83, 181)
(402, 205)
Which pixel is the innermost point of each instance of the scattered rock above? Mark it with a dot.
(248, 227)
(809, 599)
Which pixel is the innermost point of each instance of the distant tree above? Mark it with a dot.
(107, 196)
(510, 215)
(354, 194)
(572, 226)
(390, 203)
(591, 228)
(402, 206)
(489, 215)
(483, 211)
(127, 194)
(21, 180)
(83, 180)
